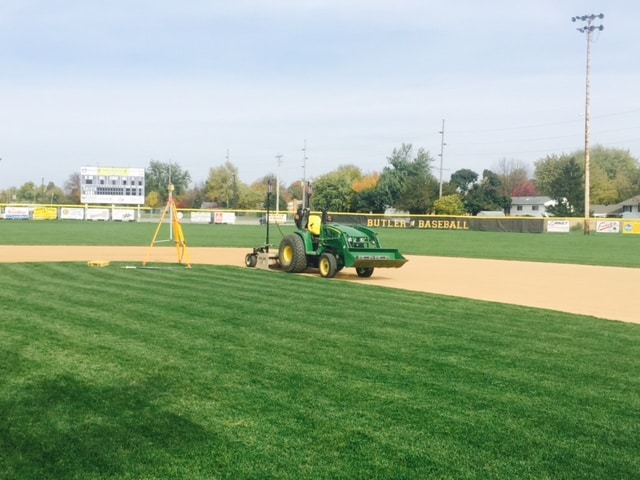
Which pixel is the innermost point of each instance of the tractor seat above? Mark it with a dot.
(315, 223)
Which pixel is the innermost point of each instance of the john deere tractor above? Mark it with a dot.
(319, 243)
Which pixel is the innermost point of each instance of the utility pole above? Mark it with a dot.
(588, 29)
(229, 195)
(279, 157)
(304, 175)
(442, 144)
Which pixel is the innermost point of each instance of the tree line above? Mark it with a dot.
(407, 183)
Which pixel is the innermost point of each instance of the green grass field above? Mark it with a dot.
(596, 249)
(234, 373)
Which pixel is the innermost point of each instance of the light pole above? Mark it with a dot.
(279, 163)
(442, 144)
(588, 29)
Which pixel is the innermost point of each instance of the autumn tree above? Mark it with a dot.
(366, 182)
(73, 188)
(367, 197)
(449, 205)
(525, 188)
(511, 174)
(152, 199)
(193, 197)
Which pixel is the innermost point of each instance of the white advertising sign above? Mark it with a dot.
(608, 227)
(558, 226)
(200, 217)
(277, 218)
(123, 215)
(72, 213)
(98, 214)
(16, 213)
(225, 217)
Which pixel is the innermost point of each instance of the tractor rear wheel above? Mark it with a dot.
(364, 271)
(328, 265)
(292, 255)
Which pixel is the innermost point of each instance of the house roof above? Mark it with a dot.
(631, 201)
(530, 200)
(606, 209)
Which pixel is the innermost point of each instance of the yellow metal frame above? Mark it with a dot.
(180, 241)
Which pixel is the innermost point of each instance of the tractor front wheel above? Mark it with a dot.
(328, 265)
(292, 255)
(364, 272)
(251, 260)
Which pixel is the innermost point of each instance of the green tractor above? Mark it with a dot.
(319, 243)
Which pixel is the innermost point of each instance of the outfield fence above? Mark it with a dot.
(518, 224)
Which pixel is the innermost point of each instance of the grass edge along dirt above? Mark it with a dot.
(596, 249)
(226, 372)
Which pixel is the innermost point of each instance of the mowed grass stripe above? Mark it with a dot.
(222, 372)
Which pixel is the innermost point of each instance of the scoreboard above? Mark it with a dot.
(123, 186)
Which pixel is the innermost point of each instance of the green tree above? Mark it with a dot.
(334, 190)
(567, 189)
(418, 194)
(614, 174)
(222, 185)
(372, 200)
(27, 193)
(8, 195)
(463, 180)
(407, 181)
(547, 170)
(253, 197)
(158, 176)
(486, 195)
(261, 187)
(52, 194)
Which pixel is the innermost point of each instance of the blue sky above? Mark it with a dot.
(120, 83)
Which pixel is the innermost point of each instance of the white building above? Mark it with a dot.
(530, 206)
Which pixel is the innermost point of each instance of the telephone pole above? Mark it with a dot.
(442, 144)
(588, 29)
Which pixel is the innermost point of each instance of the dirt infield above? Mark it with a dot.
(602, 292)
